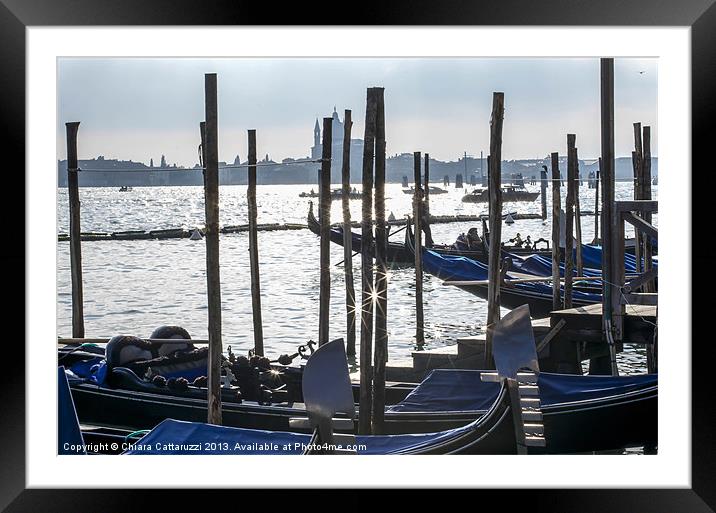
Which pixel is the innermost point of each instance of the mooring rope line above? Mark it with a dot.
(620, 288)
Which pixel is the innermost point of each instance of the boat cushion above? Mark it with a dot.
(182, 364)
(124, 349)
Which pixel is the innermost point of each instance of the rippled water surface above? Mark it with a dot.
(132, 287)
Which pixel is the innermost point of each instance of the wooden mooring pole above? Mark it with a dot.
(381, 272)
(347, 236)
(495, 210)
(646, 195)
(578, 215)
(427, 184)
(543, 188)
(213, 281)
(569, 222)
(651, 349)
(254, 248)
(73, 192)
(596, 203)
(610, 297)
(556, 206)
(417, 219)
(324, 298)
(637, 158)
(366, 332)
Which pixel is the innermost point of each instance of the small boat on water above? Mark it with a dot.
(125, 188)
(335, 194)
(510, 193)
(433, 190)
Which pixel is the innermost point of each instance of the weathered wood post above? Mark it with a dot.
(610, 298)
(73, 193)
(427, 184)
(381, 272)
(636, 160)
(596, 203)
(646, 195)
(569, 223)
(254, 248)
(543, 188)
(556, 206)
(495, 210)
(324, 298)
(417, 219)
(577, 214)
(651, 349)
(366, 331)
(213, 281)
(347, 238)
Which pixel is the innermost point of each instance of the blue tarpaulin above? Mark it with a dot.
(591, 260)
(592, 257)
(179, 437)
(449, 267)
(446, 390)
(69, 435)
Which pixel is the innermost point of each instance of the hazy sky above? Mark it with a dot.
(141, 108)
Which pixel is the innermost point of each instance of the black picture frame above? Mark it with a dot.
(700, 15)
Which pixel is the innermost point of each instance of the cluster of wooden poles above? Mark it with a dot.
(373, 305)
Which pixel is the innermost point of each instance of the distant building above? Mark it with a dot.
(337, 129)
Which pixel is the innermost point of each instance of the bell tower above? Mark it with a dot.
(316, 134)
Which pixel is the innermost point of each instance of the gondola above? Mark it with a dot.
(446, 399)
(537, 295)
(397, 252)
(400, 252)
(491, 433)
(458, 270)
(480, 253)
(629, 416)
(624, 408)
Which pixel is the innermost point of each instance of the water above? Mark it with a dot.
(132, 287)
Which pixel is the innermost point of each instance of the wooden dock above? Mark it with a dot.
(575, 335)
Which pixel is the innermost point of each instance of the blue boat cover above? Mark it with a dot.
(591, 259)
(541, 266)
(93, 370)
(180, 437)
(69, 435)
(452, 390)
(449, 267)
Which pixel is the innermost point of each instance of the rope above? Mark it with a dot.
(136, 433)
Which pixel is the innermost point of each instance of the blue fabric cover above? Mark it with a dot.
(180, 437)
(449, 267)
(68, 427)
(93, 370)
(446, 390)
(542, 266)
(592, 258)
